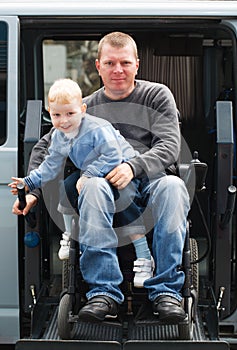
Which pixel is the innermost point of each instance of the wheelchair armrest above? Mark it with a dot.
(193, 174)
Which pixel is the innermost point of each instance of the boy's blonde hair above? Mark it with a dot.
(64, 91)
(118, 40)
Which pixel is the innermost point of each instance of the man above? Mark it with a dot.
(146, 115)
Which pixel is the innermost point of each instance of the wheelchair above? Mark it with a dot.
(135, 315)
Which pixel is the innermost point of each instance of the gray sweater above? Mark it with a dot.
(148, 119)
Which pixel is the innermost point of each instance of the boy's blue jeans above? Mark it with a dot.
(168, 201)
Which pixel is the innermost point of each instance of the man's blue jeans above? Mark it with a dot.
(168, 201)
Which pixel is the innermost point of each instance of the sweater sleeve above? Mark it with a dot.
(52, 164)
(165, 136)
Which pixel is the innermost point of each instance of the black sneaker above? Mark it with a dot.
(168, 309)
(98, 309)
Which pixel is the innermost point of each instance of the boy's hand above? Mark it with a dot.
(13, 185)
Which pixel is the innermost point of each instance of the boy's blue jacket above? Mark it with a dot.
(96, 150)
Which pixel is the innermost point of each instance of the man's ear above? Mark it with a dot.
(137, 65)
(97, 64)
(83, 108)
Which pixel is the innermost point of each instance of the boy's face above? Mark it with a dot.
(67, 117)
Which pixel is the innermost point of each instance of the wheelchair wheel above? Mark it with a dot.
(186, 327)
(194, 267)
(65, 327)
(65, 274)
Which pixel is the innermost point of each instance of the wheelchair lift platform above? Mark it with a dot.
(113, 345)
(115, 336)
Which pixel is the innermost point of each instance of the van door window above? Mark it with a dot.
(3, 82)
(74, 59)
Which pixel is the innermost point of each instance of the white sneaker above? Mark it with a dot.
(63, 252)
(143, 269)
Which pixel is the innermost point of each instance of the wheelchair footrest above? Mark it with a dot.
(152, 331)
(146, 326)
(105, 331)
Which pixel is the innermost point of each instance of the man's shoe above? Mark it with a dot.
(143, 269)
(63, 252)
(98, 309)
(168, 309)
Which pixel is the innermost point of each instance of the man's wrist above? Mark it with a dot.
(131, 168)
(33, 195)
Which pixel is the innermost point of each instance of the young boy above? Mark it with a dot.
(95, 147)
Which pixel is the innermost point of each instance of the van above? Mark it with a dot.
(188, 45)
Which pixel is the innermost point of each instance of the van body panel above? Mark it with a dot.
(130, 8)
(9, 291)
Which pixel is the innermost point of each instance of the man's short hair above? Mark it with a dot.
(119, 40)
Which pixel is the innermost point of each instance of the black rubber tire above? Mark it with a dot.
(186, 328)
(65, 329)
(194, 267)
(65, 274)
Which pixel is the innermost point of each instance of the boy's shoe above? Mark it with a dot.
(143, 269)
(63, 252)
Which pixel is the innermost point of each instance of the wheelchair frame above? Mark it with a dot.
(72, 297)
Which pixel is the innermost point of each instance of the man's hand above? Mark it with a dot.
(31, 201)
(120, 176)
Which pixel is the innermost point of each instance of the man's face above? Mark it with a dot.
(117, 68)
